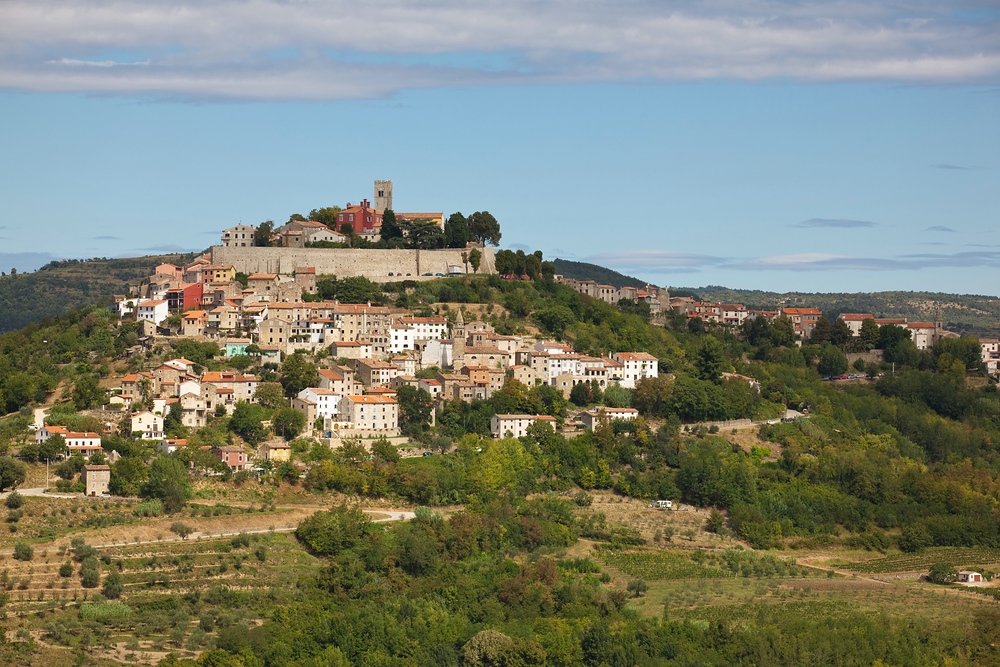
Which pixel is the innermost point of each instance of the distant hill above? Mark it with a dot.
(963, 313)
(584, 271)
(61, 286)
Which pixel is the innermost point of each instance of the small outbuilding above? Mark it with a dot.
(969, 577)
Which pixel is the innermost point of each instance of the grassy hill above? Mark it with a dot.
(585, 271)
(61, 286)
(964, 313)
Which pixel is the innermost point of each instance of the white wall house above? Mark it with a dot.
(327, 401)
(516, 425)
(148, 424)
(636, 366)
(154, 310)
(370, 413)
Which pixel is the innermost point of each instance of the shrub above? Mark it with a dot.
(149, 508)
(114, 585)
(23, 551)
(637, 587)
(14, 500)
(66, 569)
(104, 612)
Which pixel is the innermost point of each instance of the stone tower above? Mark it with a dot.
(383, 195)
(938, 325)
(458, 342)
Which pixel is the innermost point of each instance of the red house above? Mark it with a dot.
(185, 296)
(234, 457)
(362, 217)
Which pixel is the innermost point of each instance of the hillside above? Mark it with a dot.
(585, 271)
(962, 313)
(61, 286)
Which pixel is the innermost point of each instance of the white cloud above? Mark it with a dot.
(337, 49)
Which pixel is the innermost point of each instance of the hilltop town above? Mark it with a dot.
(612, 443)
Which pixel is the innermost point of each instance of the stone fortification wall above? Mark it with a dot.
(372, 264)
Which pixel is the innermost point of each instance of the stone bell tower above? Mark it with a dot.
(458, 341)
(383, 195)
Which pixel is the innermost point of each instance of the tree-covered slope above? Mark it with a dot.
(585, 271)
(61, 286)
(963, 313)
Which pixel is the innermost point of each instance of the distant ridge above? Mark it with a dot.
(59, 287)
(600, 274)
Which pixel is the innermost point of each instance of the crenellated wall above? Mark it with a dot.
(342, 262)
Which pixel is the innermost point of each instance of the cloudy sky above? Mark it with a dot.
(839, 145)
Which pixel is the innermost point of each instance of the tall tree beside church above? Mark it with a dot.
(390, 228)
(484, 228)
(456, 230)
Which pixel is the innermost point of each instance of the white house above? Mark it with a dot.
(83, 443)
(991, 353)
(370, 413)
(438, 353)
(154, 310)
(327, 401)
(148, 425)
(240, 236)
(401, 337)
(516, 425)
(590, 418)
(426, 328)
(636, 366)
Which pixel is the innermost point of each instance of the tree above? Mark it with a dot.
(831, 361)
(475, 259)
(114, 585)
(12, 473)
(484, 228)
(246, 422)
(23, 551)
(127, 476)
(415, 406)
(327, 533)
(580, 395)
(86, 392)
(14, 500)
(390, 228)
(168, 481)
(173, 426)
(942, 573)
(53, 448)
(270, 395)
(868, 335)
(327, 215)
(456, 231)
(297, 374)
(288, 422)
(181, 529)
(709, 359)
(262, 235)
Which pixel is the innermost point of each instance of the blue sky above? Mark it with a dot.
(835, 146)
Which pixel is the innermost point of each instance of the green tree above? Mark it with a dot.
(86, 392)
(262, 235)
(456, 231)
(168, 480)
(114, 585)
(327, 215)
(475, 259)
(12, 473)
(831, 361)
(288, 422)
(270, 395)
(709, 359)
(484, 228)
(942, 573)
(390, 228)
(415, 406)
(329, 532)
(617, 396)
(173, 426)
(297, 374)
(868, 335)
(181, 529)
(23, 551)
(580, 395)
(246, 422)
(128, 474)
(53, 448)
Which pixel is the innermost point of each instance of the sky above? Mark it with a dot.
(807, 146)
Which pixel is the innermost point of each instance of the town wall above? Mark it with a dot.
(374, 264)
